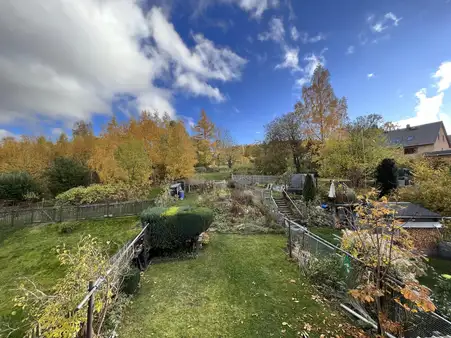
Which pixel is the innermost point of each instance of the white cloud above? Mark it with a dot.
(194, 85)
(306, 38)
(66, 60)
(350, 50)
(428, 108)
(5, 133)
(188, 120)
(370, 75)
(388, 20)
(311, 62)
(291, 60)
(294, 33)
(276, 31)
(444, 75)
(57, 131)
(256, 7)
(394, 18)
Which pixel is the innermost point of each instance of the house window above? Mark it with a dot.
(410, 150)
(409, 138)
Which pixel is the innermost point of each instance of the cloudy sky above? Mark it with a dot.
(243, 61)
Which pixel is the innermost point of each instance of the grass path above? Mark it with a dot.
(239, 286)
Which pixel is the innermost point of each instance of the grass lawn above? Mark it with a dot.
(217, 176)
(239, 286)
(29, 252)
(440, 266)
(327, 233)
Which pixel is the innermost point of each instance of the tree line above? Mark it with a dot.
(148, 150)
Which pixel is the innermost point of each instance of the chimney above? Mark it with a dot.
(408, 126)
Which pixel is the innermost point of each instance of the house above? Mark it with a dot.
(429, 139)
(422, 224)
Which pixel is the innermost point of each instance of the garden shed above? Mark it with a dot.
(422, 224)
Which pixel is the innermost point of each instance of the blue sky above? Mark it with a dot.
(241, 60)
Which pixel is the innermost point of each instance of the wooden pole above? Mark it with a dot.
(90, 311)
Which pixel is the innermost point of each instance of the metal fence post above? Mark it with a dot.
(32, 216)
(12, 217)
(289, 238)
(90, 312)
(61, 214)
(77, 211)
(108, 209)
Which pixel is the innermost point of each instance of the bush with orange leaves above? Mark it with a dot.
(392, 266)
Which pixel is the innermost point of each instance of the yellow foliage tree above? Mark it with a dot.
(205, 139)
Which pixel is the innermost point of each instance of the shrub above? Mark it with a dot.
(131, 281)
(244, 169)
(68, 227)
(345, 195)
(172, 228)
(386, 176)
(65, 173)
(213, 170)
(442, 295)
(315, 216)
(329, 276)
(98, 193)
(309, 191)
(200, 169)
(17, 185)
(431, 187)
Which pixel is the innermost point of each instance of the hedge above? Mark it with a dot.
(171, 228)
(15, 185)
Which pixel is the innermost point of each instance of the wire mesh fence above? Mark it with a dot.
(308, 248)
(72, 212)
(109, 283)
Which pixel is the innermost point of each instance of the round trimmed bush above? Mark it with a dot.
(174, 227)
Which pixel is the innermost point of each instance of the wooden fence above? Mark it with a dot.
(72, 213)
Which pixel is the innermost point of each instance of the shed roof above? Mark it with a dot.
(411, 210)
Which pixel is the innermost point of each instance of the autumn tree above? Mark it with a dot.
(324, 112)
(227, 151)
(205, 138)
(289, 131)
(391, 266)
(83, 140)
(271, 158)
(356, 154)
(133, 159)
(178, 153)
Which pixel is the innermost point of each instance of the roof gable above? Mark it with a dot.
(415, 136)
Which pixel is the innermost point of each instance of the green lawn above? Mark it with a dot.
(30, 252)
(217, 176)
(239, 286)
(327, 233)
(439, 266)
